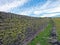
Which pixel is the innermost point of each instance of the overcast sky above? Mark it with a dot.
(35, 8)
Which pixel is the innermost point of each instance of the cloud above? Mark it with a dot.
(48, 8)
(15, 3)
(50, 14)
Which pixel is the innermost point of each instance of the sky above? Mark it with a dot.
(34, 8)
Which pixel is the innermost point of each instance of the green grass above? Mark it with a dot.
(39, 38)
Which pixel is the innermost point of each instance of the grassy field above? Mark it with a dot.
(39, 38)
(57, 23)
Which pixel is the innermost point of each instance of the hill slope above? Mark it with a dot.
(14, 29)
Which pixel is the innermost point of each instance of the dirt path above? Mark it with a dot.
(53, 35)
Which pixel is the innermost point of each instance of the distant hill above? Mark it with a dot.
(15, 28)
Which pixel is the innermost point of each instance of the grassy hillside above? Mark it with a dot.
(15, 28)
